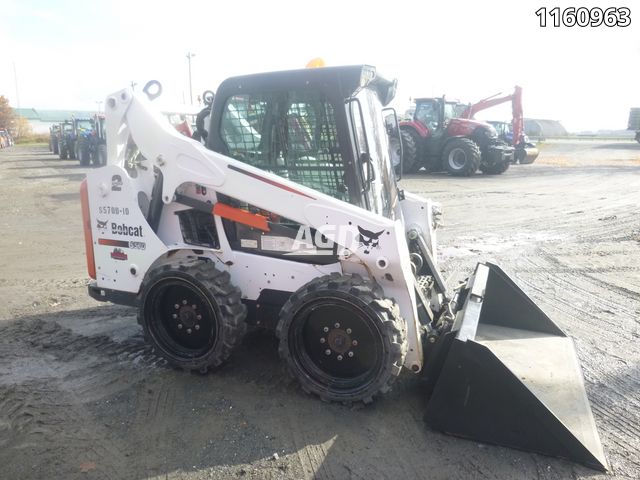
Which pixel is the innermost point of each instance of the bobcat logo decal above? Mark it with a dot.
(102, 225)
(369, 240)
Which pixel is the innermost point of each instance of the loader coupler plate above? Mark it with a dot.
(511, 377)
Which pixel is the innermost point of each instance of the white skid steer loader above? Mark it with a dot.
(290, 218)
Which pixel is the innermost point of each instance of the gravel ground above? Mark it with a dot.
(82, 396)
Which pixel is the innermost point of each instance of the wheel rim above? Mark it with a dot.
(181, 319)
(457, 158)
(336, 345)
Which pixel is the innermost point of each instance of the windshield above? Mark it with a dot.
(382, 191)
(85, 124)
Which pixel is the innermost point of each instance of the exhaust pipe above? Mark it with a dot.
(506, 374)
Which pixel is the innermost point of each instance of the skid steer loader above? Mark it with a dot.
(290, 218)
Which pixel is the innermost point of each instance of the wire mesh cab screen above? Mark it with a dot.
(292, 134)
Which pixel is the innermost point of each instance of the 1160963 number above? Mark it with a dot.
(585, 17)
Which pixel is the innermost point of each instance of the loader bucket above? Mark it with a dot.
(507, 375)
(527, 155)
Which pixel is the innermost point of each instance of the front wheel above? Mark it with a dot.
(461, 157)
(341, 339)
(191, 314)
(496, 168)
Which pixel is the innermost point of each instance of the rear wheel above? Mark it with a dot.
(461, 157)
(64, 152)
(102, 155)
(83, 155)
(411, 161)
(192, 314)
(341, 339)
(55, 148)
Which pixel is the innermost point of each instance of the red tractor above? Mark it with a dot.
(438, 139)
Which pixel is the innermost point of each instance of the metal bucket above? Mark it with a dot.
(526, 155)
(506, 374)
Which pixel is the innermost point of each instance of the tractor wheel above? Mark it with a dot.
(495, 169)
(56, 151)
(411, 161)
(64, 152)
(72, 152)
(461, 157)
(102, 155)
(191, 314)
(341, 339)
(83, 156)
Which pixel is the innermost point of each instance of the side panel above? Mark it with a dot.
(462, 127)
(123, 243)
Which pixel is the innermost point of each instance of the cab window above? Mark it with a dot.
(292, 134)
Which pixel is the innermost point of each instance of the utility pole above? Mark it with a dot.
(15, 79)
(189, 57)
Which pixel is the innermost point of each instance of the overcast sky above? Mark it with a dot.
(71, 54)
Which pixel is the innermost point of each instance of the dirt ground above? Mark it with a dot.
(82, 396)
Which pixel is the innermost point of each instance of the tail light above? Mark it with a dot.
(86, 225)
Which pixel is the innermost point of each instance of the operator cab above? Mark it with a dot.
(435, 113)
(321, 127)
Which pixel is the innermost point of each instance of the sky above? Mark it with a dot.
(71, 54)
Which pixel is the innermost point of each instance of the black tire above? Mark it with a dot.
(353, 371)
(185, 338)
(411, 161)
(101, 154)
(83, 155)
(64, 152)
(72, 151)
(496, 168)
(461, 157)
(55, 147)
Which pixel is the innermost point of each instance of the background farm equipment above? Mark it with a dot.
(437, 139)
(634, 122)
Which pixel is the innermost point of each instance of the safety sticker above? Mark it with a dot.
(248, 243)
